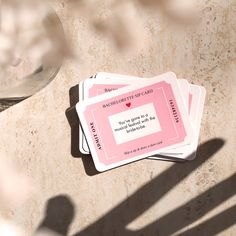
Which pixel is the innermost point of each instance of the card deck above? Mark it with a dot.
(97, 87)
(135, 122)
(126, 118)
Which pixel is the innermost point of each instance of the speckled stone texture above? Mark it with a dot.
(147, 197)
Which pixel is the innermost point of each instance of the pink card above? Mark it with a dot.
(135, 122)
(112, 82)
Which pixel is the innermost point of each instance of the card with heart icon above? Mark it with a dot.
(125, 119)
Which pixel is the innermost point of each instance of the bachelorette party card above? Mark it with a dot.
(134, 121)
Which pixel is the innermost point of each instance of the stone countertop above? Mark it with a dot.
(146, 197)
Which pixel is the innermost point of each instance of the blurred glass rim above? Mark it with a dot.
(42, 76)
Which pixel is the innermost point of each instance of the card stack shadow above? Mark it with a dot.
(73, 120)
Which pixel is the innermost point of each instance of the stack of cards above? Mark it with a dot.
(125, 119)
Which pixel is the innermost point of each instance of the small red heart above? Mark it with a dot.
(128, 104)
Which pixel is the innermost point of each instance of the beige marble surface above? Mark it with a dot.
(146, 197)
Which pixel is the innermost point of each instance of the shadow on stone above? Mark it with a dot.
(115, 222)
(59, 214)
